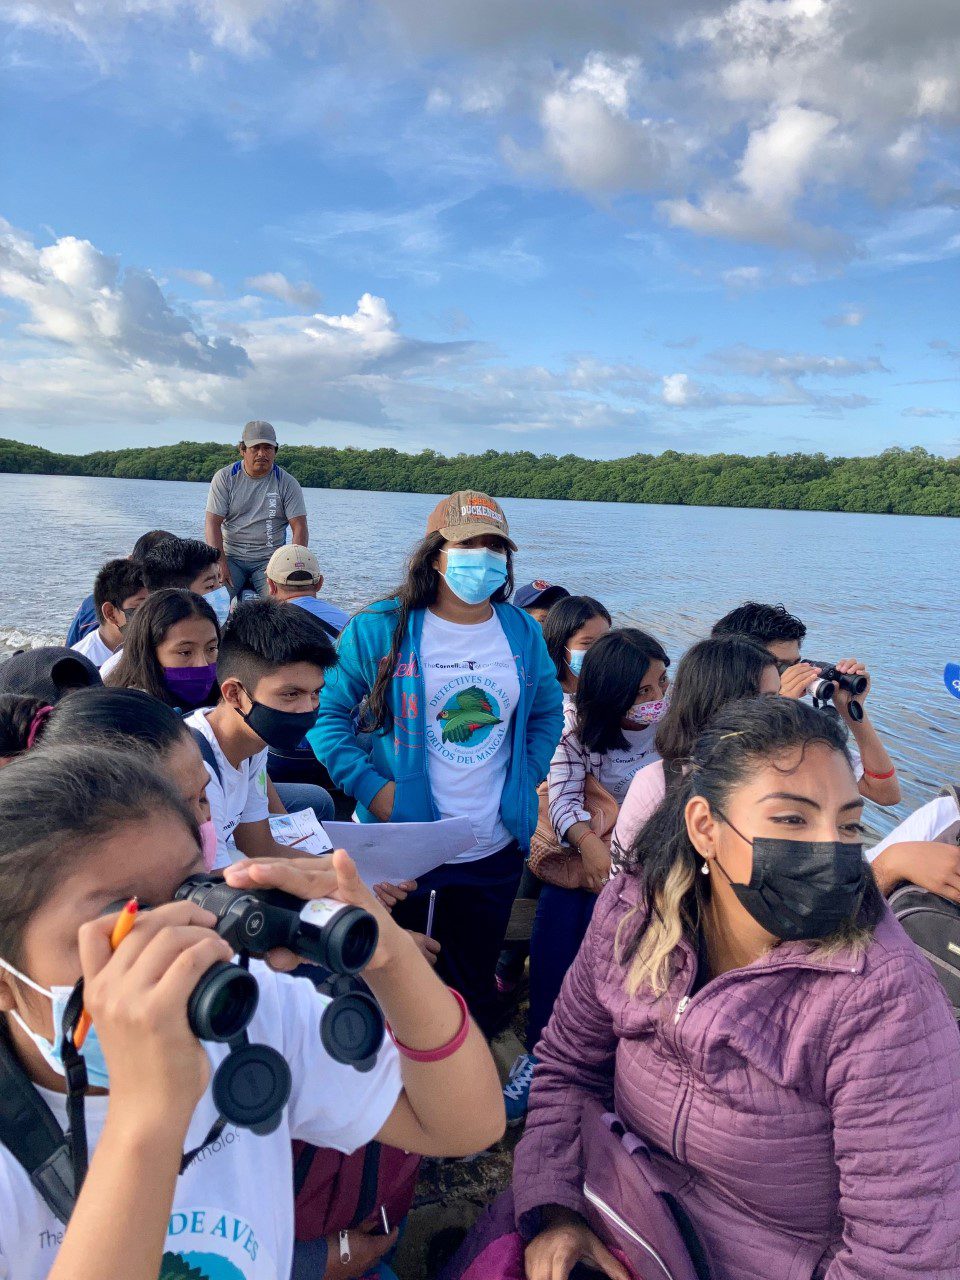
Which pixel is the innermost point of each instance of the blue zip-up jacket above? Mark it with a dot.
(84, 620)
(400, 753)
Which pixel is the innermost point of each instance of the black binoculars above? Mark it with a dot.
(336, 938)
(252, 1084)
(824, 686)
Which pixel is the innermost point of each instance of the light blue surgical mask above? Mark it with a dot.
(575, 659)
(92, 1052)
(475, 573)
(219, 602)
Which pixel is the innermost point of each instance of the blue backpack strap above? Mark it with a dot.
(235, 469)
(276, 472)
(208, 753)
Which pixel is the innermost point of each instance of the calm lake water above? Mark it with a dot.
(881, 588)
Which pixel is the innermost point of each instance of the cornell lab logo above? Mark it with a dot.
(469, 716)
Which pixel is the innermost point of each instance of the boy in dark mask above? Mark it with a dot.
(270, 670)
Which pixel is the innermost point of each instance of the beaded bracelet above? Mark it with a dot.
(445, 1050)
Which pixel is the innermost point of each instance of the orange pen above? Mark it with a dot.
(125, 922)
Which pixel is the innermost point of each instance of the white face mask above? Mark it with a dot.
(97, 1073)
(219, 602)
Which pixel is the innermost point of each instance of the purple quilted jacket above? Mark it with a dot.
(806, 1109)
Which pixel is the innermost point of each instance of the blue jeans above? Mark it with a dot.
(247, 576)
(558, 930)
(305, 795)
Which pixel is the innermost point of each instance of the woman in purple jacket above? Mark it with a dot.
(759, 1018)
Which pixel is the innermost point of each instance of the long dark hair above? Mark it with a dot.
(418, 590)
(743, 737)
(612, 672)
(709, 675)
(138, 667)
(58, 804)
(564, 620)
(121, 718)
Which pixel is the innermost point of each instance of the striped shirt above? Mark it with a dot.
(572, 762)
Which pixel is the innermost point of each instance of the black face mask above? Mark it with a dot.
(802, 889)
(282, 730)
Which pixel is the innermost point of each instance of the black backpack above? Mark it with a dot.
(30, 1132)
(933, 923)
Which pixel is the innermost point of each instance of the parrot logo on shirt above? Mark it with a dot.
(467, 713)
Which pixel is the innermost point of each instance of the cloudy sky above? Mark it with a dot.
(564, 225)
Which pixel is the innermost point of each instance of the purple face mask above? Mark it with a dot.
(190, 686)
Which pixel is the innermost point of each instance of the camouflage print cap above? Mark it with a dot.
(469, 514)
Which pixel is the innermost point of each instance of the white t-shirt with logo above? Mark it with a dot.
(239, 795)
(232, 1215)
(92, 647)
(620, 765)
(472, 689)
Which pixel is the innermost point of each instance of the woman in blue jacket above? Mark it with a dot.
(461, 703)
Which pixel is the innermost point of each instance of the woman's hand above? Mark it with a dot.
(381, 806)
(333, 876)
(391, 894)
(137, 997)
(429, 948)
(596, 862)
(367, 1246)
(931, 864)
(554, 1253)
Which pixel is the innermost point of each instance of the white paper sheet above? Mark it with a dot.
(302, 829)
(388, 852)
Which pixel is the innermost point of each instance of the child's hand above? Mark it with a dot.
(137, 997)
(391, 894)
(334, 876)
(795, 681)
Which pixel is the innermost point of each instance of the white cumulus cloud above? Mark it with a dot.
(200, 279)
(593, 136)
(275, 283)
(78, 296)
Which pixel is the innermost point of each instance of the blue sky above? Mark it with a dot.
(563, 225)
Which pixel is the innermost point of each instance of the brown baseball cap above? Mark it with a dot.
(469, 514)
(293, 566)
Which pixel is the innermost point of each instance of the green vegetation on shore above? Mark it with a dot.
(897, 481)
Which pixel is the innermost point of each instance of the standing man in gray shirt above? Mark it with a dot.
(249, 507)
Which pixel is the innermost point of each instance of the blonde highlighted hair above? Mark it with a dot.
(651, 964)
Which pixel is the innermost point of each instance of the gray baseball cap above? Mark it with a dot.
(259, 433)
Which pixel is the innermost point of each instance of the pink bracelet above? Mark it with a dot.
(445, 1050)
